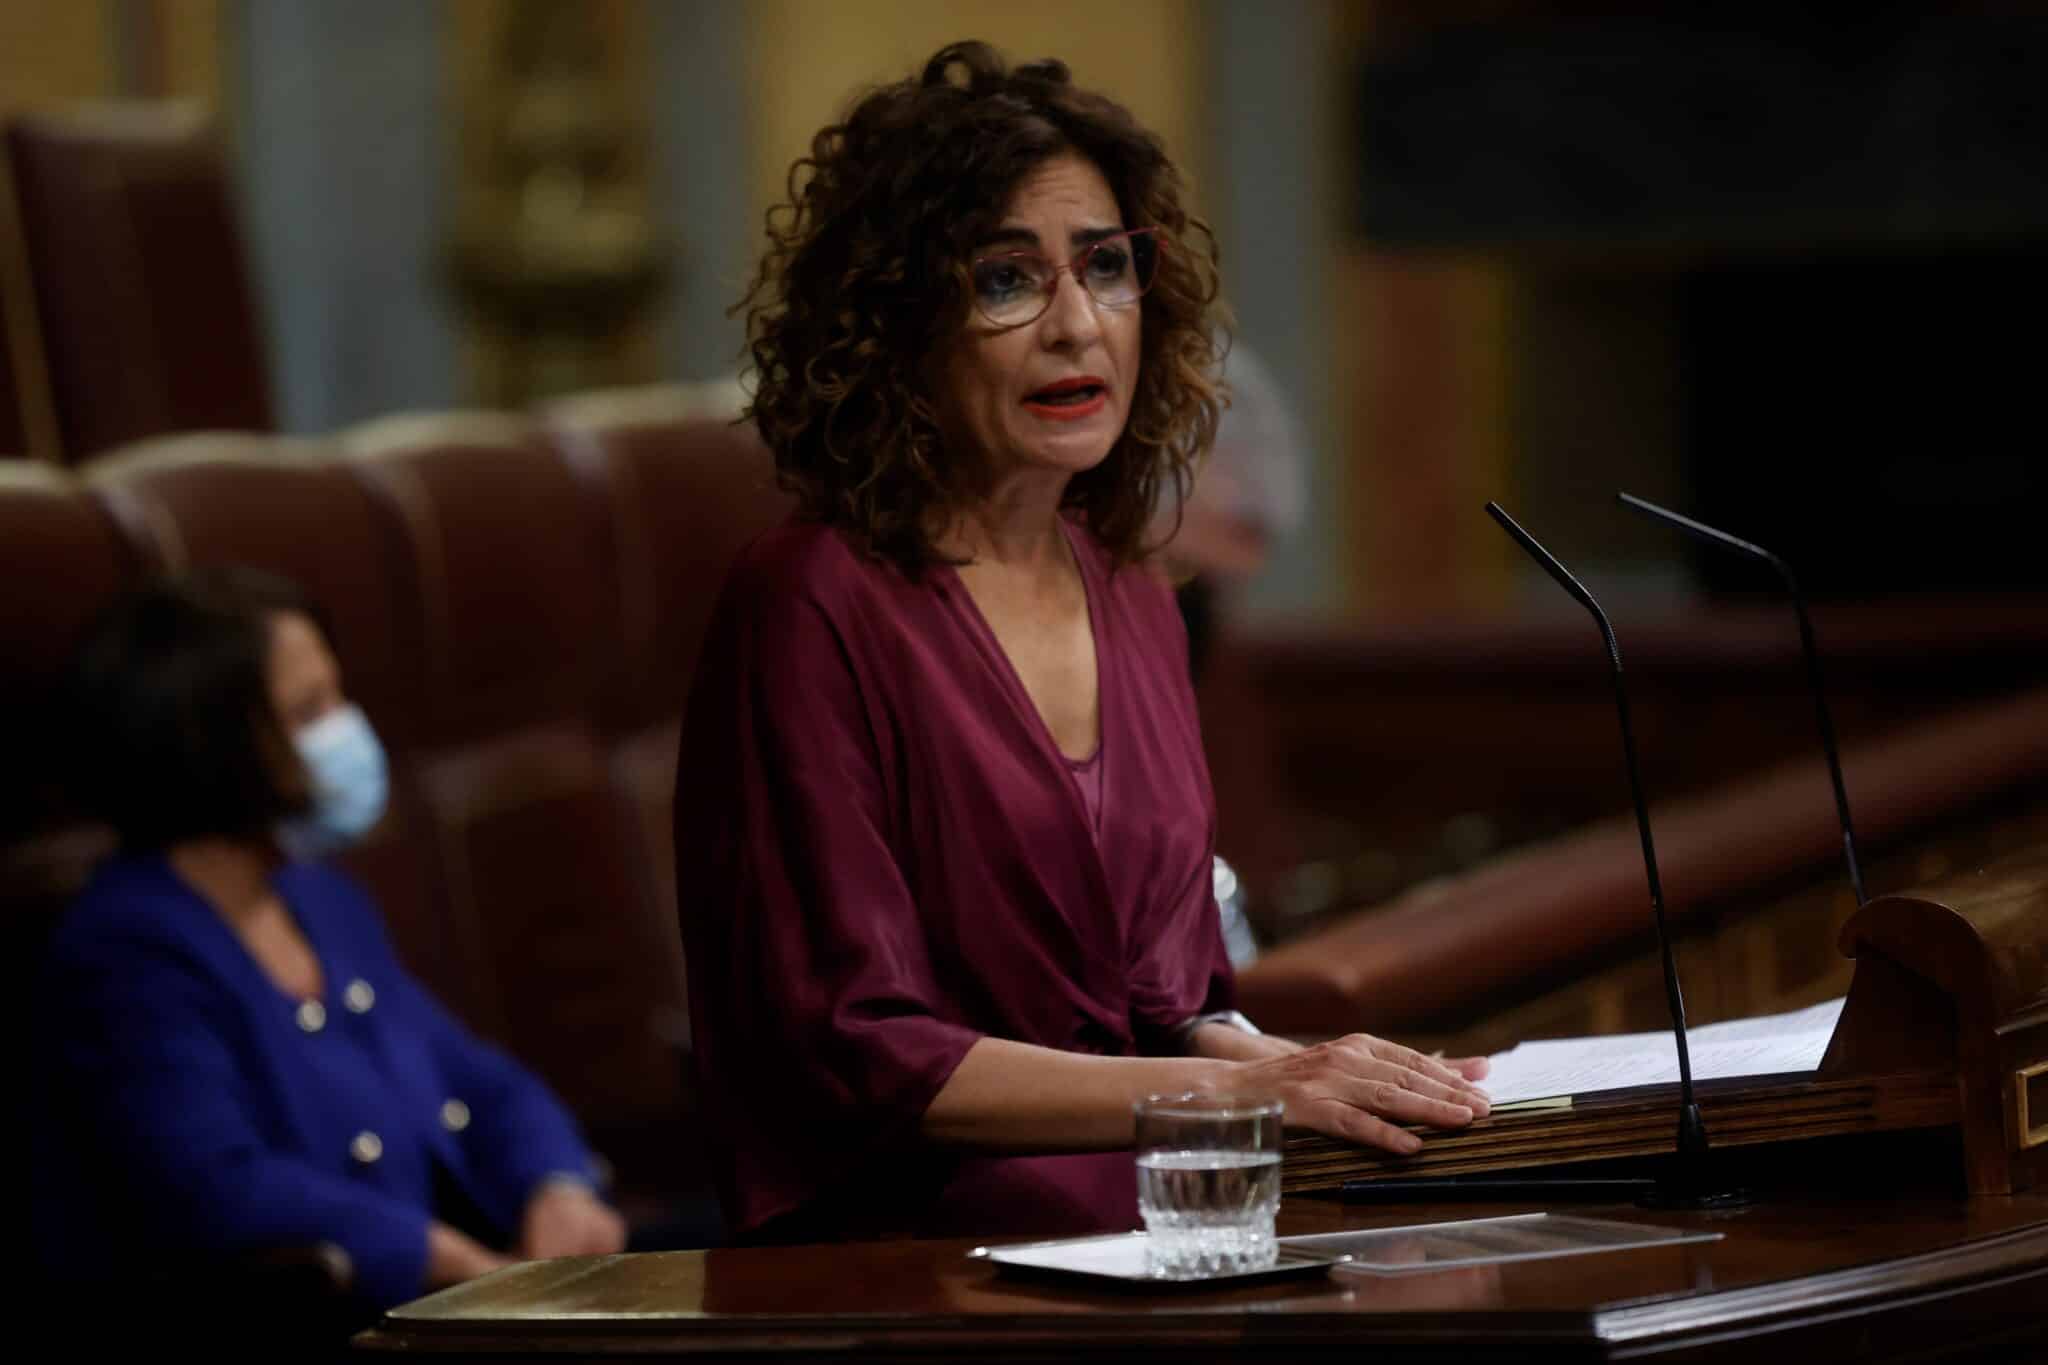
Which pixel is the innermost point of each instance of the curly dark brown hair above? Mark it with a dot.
(866, 275)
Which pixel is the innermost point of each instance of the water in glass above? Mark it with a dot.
(1208, 1185)
(1208, 1213)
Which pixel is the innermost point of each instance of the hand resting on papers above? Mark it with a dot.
(1362, 1089)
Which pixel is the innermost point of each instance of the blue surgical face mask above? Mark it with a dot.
(350, 784)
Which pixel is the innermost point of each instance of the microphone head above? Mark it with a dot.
(1809, 651)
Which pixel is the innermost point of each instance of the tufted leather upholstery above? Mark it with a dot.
(680, 489)
(147, 317)
(573, 956)
(61, 556)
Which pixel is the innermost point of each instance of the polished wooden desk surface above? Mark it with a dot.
(1820, 1279)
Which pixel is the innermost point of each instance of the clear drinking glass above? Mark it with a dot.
(1208, 1183)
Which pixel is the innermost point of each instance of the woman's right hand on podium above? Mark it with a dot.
(453, 1257)
(1361, 1089)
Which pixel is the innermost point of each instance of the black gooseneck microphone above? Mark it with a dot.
(1687, 1185)
(1699, 530)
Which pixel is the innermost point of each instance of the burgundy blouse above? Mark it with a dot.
(1088, 777)
(882, 857)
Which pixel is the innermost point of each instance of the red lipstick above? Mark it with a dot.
(1068, 400)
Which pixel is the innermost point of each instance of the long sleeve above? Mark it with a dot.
(158, 1092)
(815, 1003)
(513, 1131)
(517, 1133)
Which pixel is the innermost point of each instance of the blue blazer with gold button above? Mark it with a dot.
(193, 1106)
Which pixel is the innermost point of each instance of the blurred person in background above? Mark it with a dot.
(238, 1062)
(1248, 495)
(943, 818)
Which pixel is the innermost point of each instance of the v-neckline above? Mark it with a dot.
(238, 950)
(1089, 832)
(1014, 681)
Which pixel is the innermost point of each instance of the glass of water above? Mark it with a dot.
(1208, 1183)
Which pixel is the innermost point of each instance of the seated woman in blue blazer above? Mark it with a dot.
(237, 1061)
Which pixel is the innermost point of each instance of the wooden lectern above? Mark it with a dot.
(1853, 1252)
(1950, 982)
(1945, 1030)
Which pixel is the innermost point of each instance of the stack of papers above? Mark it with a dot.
(1549, 1072)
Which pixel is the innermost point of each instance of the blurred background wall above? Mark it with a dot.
(421, 182)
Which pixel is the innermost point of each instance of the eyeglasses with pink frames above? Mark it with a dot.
(1012, 288)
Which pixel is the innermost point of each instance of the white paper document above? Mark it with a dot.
(1767, 1046)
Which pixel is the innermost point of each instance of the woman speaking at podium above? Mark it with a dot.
(943, 824)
